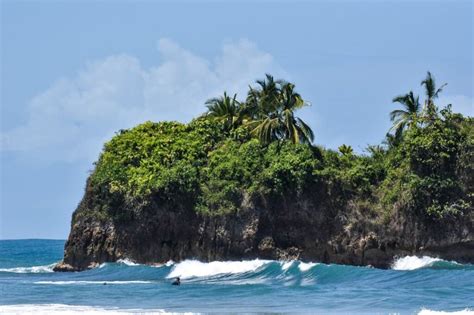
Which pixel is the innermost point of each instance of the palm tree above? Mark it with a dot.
(226, 110)
(271, 110)
(295, 128)
(266, 129)
(264, 99)
(346, 150)
(406, 117)
(430, 110)
(250, 108)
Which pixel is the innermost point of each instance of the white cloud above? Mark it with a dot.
(71, 120)
(461, 103)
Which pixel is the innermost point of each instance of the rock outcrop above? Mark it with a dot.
(311, 227)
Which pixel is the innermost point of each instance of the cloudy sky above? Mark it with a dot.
(75, 72)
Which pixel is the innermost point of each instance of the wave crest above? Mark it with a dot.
(196, 269)
(74, 309)
(415, 262)
(32, 269)
(193, 268)
(83, 282)
(461, 312)
(127, 262)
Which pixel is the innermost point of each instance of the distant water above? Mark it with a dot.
(413, 286)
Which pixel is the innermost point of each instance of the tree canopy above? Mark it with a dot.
(258, 148)
(268, 112)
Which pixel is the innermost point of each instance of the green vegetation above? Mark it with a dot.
(268, 112)
(258, 149)
(412, 114)
(407, 117)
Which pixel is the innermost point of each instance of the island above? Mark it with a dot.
(245, 180)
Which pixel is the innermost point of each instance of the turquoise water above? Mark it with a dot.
(27, 284)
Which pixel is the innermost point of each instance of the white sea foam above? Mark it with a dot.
(124, 261)
(82, 282)
(193, 268)
(32, 269)
(306, 266)
(461, 312)
(44, 309)
(286, 265)
(414, 262)
(169, 263)
(127, 262)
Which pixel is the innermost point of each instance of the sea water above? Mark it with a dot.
(414, 285)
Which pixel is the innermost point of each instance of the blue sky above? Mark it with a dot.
(74, 72)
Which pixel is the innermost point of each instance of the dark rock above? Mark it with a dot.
(308, 228)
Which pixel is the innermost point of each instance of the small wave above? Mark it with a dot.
(302, 266)
(74, 309)
(169, 263)
(306, 266)
(415, 262)
(196, 269)
(461, 312)
(193, 268)
(286, 265)
(127, 262)
(131, 263)
(32, 269)
(91, 282)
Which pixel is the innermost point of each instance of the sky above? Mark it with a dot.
(75, 72)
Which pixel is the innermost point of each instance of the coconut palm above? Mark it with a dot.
(266, 129)
(346, 150)
(430, 110)
(250, 108)
(295, 128)
(264, 99)
(226, 110)
(408, 115)
(271, 109)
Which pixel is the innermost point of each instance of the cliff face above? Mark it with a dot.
(170, 191)
(311, 227)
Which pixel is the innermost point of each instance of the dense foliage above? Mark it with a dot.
(259, 149)
(268, 112)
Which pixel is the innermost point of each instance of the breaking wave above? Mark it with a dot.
(415, 262)
(248, 271)
(32, 269)
(74, 309)
(414, 285)
(127, 262)
(83, 282)
(196, 269)
(461, 312)
(193, 268)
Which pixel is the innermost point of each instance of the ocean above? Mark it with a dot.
(414, 285)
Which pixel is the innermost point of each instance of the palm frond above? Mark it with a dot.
(430, 85)
(439, 90)
(395, 114)
(306, 130)
(400, 99)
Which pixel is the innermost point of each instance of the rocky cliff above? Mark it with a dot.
(171, 191)
(310, 228)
